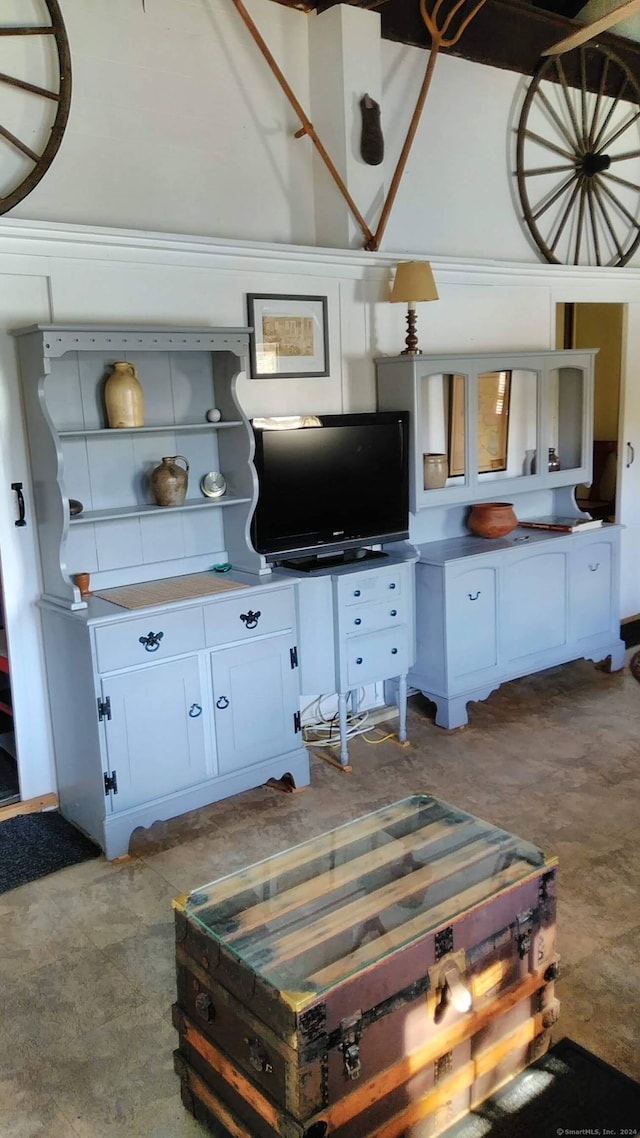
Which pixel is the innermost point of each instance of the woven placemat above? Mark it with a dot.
(171, 589)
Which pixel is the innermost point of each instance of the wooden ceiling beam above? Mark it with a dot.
(510, 34)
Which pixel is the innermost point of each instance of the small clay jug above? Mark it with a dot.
(124, 397)
(169, 481)
(436, 471)
(492, 519)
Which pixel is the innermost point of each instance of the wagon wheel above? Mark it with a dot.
(35, 83)
(578, 159)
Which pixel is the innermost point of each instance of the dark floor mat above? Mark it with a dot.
(34, 845)
(567, 1091)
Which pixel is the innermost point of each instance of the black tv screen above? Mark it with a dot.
(335, 486)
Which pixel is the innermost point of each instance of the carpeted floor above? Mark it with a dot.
(34, 845)
(568, 1091)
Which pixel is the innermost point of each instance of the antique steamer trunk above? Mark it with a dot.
(378, 980)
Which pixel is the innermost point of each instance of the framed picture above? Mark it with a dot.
(290, 336)
(494, 396)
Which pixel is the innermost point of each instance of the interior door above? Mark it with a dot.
(24, 300)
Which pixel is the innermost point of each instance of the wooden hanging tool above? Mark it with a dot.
(439, 39)
(307, 126)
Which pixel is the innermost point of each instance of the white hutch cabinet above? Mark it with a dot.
(488, 610)
(160, 709)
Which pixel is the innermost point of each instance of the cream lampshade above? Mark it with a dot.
(413, 282)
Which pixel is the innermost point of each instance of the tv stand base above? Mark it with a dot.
(319, 562)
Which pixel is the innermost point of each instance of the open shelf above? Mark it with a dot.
(166, 428)
(147, 508)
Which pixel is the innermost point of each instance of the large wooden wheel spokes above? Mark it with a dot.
(35, 94)
(578, 159)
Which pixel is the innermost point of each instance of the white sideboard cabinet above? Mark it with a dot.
(516, 427)
(493, 610)
(162, 709)
(159, 711)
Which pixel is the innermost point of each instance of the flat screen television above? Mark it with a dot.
(330, 489)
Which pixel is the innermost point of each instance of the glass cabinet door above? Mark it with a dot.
(507, 424)
(565, 426)
(443, 431)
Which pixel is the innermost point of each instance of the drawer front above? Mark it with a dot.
(377, 656)
(373, 585)
(246, 616)
(370, 617)
(148, 638)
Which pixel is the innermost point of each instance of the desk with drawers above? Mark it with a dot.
(357, 627)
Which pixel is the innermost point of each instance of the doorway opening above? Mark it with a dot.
(599, 326)
(9, 785)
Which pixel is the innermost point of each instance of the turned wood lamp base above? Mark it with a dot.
(411, 340)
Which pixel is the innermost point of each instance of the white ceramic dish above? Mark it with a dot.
(213, 484)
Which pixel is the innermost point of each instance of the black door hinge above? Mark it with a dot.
(296, 721)
(293, 654)
(104, 709)
(110, 783)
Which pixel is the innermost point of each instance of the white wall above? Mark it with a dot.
(177, 124)
(177, 128)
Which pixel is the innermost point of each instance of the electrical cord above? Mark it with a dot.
(325, 729)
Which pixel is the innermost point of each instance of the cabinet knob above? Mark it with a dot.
(394, 612)
(358, 620)
(356, 592)
(394, 651)
(358, 659)
(152, 641)
(392, 585)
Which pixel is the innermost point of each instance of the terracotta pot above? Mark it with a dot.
(492, 519)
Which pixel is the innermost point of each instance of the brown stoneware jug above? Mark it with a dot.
(492, 519)
(169, 481)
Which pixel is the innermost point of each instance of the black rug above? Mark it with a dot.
(34, 845)
(568, 1091)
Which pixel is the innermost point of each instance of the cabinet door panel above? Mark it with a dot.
(471, 621)
(591, 599)
(255, 697)
(156, 740)
(534, 606)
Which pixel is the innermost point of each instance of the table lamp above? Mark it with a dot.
(413, 282)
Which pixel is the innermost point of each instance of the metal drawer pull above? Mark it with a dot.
(195, 710)
(152, 641)
(392, 585)
(356, 592)
(358, 620)
(17, 486)
(250, 618)
(631, 454)
(358, 659)
(595, 567)
(222, 703)
(394, 651)
(476, 596)
(394, 612)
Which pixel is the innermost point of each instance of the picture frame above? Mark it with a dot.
(290, 337)
(494, 398)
